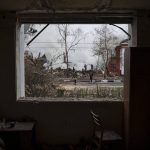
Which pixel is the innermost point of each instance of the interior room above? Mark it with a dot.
(60, 123)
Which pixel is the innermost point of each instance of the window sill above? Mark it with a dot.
(48, 100)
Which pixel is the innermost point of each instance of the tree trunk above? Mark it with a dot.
(66, 51)
(67, 64)
(105, 72)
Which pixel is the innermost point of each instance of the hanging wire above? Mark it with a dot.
(129, 36)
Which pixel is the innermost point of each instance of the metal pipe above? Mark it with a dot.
(37, 34)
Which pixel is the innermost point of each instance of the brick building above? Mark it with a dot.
(115, 65)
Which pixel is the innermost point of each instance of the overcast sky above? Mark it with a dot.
(47, 43)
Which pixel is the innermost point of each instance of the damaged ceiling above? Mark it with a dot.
(76, 5)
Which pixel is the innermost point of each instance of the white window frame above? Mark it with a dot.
(20, 77)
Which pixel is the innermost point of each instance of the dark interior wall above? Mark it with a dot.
(57, 122)
(139, 103)
(137, 81)
(137, 112)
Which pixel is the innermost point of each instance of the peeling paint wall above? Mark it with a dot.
(74, 4)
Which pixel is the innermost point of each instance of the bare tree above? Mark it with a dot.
(53, 56)
(104, 44)
(69, 39)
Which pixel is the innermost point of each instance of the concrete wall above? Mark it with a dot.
(140, 29)
(143, 30)
(57, 122)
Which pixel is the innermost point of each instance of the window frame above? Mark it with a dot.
(58, 18)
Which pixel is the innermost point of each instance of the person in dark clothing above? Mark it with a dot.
(91, 76)
(75, 77)
(85, 67)
(91, 66)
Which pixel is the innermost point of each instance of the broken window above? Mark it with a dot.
(71, 61)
